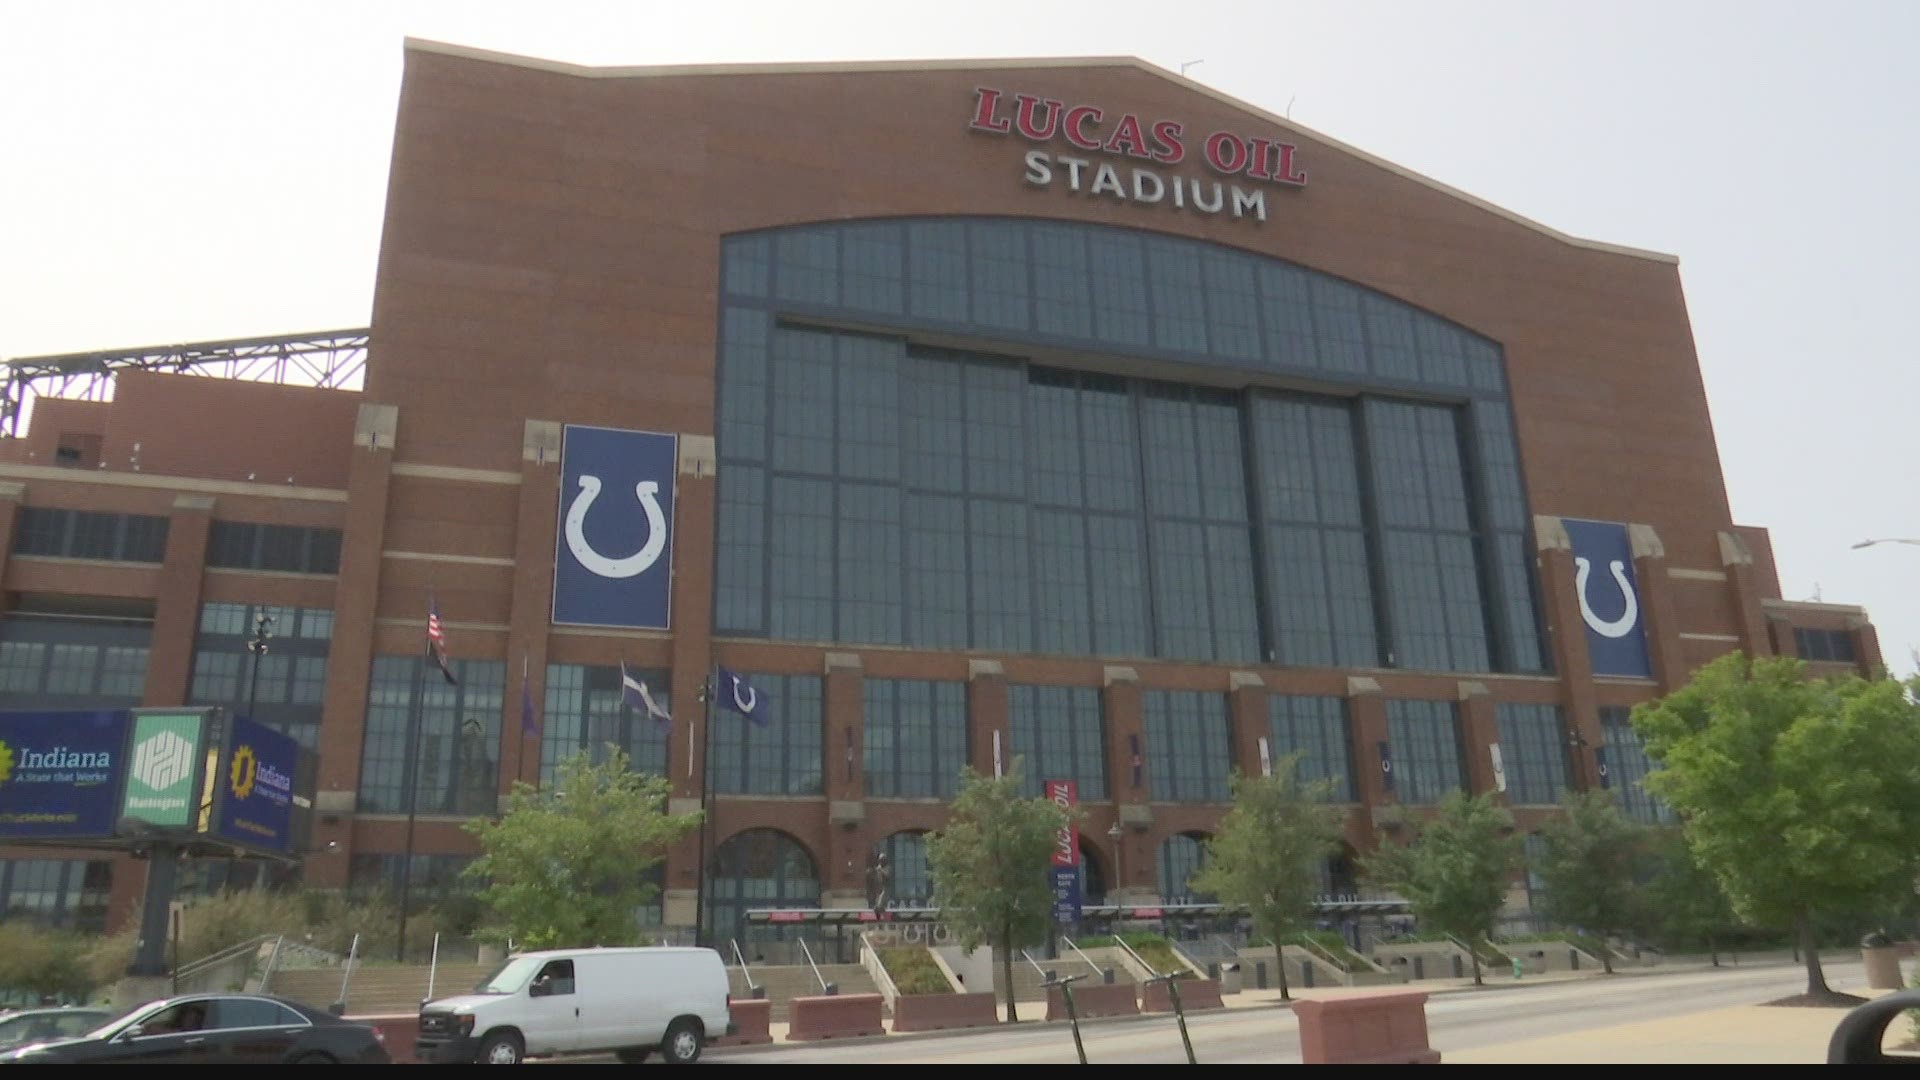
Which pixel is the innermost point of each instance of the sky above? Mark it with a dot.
(184, 171)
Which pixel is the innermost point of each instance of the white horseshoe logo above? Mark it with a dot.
(1616, 628)
(753, 697)
(636, 563)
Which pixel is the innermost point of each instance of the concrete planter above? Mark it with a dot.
(838, 1016)
(751, 1020)
(1093, 1000)
(1195, 994)
(939, 1012)
(1377, 1029)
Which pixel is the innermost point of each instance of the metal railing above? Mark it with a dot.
(825, 986)
(433, 969)
(1323, 954)
(238, 957)
(1098, 971)
(346, 977)
(882, 979)
(753, 988)
(1152, 972)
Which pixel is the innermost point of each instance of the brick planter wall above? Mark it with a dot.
(938, 1012)
(1091, 1001)
(1377, 1029)
(1195, 994)
(834, 1017)
(400, 1032)
(752, 1019)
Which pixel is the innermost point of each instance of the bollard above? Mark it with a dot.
(1260, 974)
(1419, 968)
(1306, 974)
(1516, 967)
(1573, 959)
(1459, 969)
(1106, 976)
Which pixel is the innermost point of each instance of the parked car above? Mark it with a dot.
(42, 1025)
(630, 1002)
(215, 1029)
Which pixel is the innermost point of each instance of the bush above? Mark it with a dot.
(914, 971)
(1154, 949)
(37, 963)
(1336, 946)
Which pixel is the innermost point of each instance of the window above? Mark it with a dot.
(294, 549)
(57, 892)
(1831, 646)
(1189, 750)
(1425, 739)
(457, 770)
(1058, 733)
(554, 980)
(1533, 858)
(434, 877)
(291, 678)
(585, 714)
(239, 1012)
(86, 534)
(1181, 857)
(759, 868)
(877, 489)
(1533, 754)
(1628, 767)
(912, 879)
(780, 755)
(1316, 729)
(916, 738)
(50, 662)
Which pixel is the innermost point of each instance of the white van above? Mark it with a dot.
(630, 1002)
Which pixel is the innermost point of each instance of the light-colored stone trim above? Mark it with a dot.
(193, 503)
(440, 557)
(541, 442)
(1470, 690)
(420, 470)
(1361, 684)
(610, 632)
(1812, 605)
(293, 574)
(421, 624)
(1734, 550)
(985, 669)
(69, 560)
(1244, 680)
(1681, 573)
(1646, 543)
(842, 661)
(1732, 638)
(157, 482)
(698, 457)
(375, 425)
(1550, 533)
(12, 491)
(1038, 63)
(1115, 674)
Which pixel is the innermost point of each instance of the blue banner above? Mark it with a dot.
(613, 557)
(256, 778)
(61, 774)
(1609, 596)
(1066, 894)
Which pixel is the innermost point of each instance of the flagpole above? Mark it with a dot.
(707, 692)
(414, 724)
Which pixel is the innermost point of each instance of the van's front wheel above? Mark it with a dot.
(682, 1044)
(503, 1048)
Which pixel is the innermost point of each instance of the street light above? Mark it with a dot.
(257, 645)
(1115, 834)
(1888, 540)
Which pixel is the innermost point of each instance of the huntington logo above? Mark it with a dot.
(160, 781)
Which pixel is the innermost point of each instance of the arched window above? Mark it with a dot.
(906, 854)
(759, 868)
(1181, 857)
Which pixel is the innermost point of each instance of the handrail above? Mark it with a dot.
(883, 979)
(273, 961)
(1137, 958)
(1097, 969)
(433, 968)
(1028, 957)
(808, 953)
(1497, 953)
(353, 953)
(228, 953)
(1321, 952)
(742, 961)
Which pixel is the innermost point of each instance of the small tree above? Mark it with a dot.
(989, 865)
(1454, 871)
(1798, 795)
(1269, 851)
(1684, 900)
(564, 866)
(1593, 855)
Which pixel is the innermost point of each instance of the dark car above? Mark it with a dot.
(216, 1029)
(41, 1025)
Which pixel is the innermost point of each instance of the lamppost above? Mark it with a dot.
(1116, 834)
(257, 645)
(1888, 540)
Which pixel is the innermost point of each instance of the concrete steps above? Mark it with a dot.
(783, 983)
(376, 990)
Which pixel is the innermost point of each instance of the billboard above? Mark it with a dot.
(60, 774)
(255, 793)
(1609, 597)
(613, 555)
(163, 758)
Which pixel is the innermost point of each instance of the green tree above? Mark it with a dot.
(1269, 851)
(1684, 902)
(1454, 871)
(989, 865)
(41, 962)
(564, 866)
(1799, 795)
(1593, 855)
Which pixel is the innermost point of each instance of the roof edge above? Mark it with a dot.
(558, 67)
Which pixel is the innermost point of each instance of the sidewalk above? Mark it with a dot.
(1744, 1035)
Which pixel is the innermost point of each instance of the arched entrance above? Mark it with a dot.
(759, 868)
(1181, 857)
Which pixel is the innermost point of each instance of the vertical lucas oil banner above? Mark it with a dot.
(1609, 596)
(613, 557)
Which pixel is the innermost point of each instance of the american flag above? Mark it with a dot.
(437, 641)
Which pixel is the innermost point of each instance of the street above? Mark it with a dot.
(1456, 1021)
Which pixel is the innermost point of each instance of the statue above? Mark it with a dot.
(880, 885)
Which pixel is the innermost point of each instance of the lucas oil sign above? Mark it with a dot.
(613, 557)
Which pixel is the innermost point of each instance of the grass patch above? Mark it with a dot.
(1154, 949)
(1336, 946)
(914, 971)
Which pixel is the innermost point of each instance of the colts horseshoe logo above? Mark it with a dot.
(1611, 628)
(747, 703)
(634, 564)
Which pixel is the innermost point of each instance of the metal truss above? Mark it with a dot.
(333, 359)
